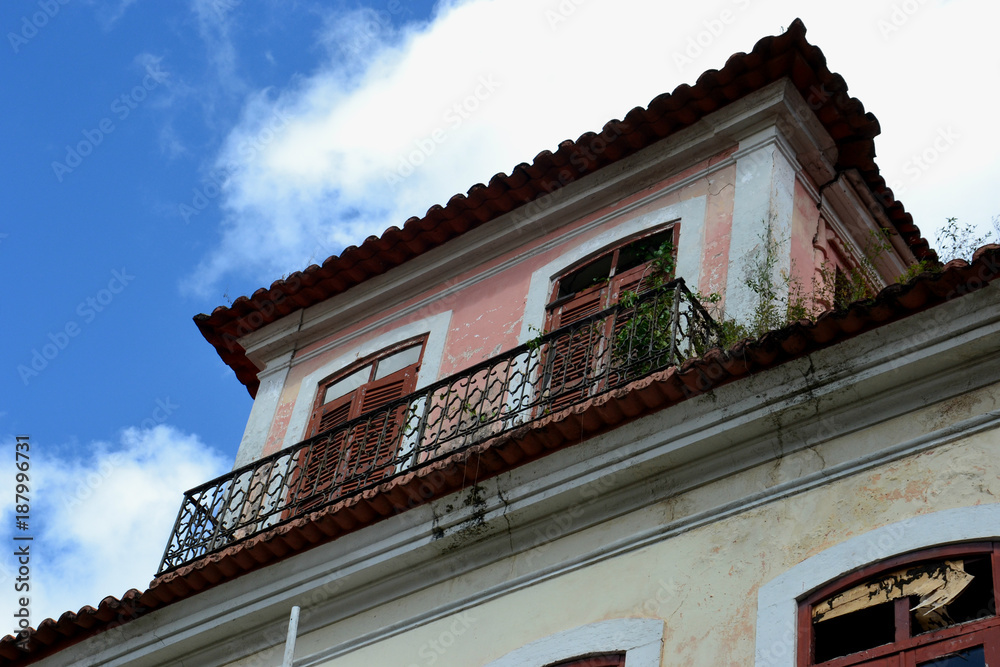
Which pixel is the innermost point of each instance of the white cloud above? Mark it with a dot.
(214, 18)
(525, 75)
(100, 521)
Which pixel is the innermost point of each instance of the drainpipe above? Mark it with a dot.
(293, 629)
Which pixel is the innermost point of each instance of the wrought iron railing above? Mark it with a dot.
(609, 349)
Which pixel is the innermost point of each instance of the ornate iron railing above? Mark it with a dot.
(609, 349)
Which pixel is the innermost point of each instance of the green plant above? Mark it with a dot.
(645, 334)
(959, 241)
(779, 298)
(536, 342)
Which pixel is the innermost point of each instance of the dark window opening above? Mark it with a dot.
(615, 262)
(937, 608)
(855, 632)
(604, 660)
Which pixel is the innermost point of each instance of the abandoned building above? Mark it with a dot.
(537, 426)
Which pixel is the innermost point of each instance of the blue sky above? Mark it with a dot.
(166, 158)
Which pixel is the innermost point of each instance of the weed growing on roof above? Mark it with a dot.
(960, 241)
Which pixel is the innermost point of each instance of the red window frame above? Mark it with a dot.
(346, 459)
(908, 649)
(573, 307)
(360, 400)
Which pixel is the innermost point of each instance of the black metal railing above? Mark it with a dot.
(609, 349)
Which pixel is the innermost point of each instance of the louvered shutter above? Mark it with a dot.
(318, 465)
(572, 355)
(625, 328)
(375, 441)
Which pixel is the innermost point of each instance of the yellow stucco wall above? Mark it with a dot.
(702, 582)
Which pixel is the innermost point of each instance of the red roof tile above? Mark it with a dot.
(513, 449)
(773, 58)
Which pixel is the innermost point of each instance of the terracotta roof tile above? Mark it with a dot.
(772, 58)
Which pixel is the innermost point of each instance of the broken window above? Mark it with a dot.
(920, 612)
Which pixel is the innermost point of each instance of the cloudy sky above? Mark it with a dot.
(165, 158)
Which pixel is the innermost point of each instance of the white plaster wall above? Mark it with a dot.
(272, 381)
(765, 191)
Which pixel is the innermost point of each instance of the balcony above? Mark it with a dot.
(551, 373)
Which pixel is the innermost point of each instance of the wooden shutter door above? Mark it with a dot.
(317, 465)
(572, 355)
(374, 442)
(621, 330)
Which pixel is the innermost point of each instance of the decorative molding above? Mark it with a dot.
(690, 213)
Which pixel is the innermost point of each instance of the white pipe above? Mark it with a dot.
(293, 630)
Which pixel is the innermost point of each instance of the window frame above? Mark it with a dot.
(316, 414)
(572, 357)
(905, 651)
(555, 302)
(332, 463)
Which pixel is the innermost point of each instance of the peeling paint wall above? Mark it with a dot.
(703, 582)
(487, 314)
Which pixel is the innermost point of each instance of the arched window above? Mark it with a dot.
(347, 459)
(599, 283)
(935, 608)
(366, 385)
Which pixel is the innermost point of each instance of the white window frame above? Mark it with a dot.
(640, 639)
(434, 327)
(690, 213)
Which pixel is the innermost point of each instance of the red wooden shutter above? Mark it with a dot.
(374, 442)
(637, 281)
(573, 354)
(317, 465)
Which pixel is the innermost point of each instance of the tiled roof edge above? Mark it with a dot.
(513, 449)
(772, 58)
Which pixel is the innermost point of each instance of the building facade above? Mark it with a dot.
(518, 431)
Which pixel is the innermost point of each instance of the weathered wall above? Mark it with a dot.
(486, 317)
(702, 582)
